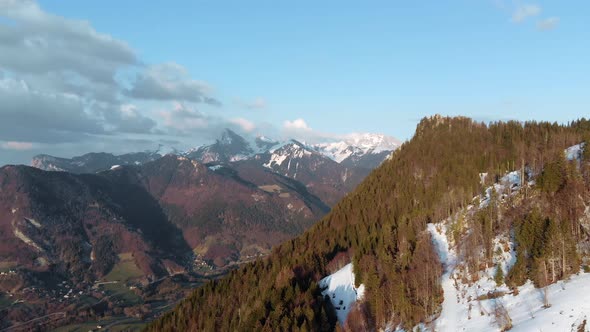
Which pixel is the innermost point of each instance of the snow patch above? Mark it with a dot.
(115, 167)
(238, 157)
(448, 320)
(34, 222)
(482, 178)
(275, 159)
(26, 239)
(341, 291)
(294, 150)
(509, 183)
(574, 152)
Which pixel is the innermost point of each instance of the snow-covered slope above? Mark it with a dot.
(337, 151)
(474, 308)
(477, 301)
(287, 152)
(341, 291)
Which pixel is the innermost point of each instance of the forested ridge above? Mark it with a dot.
(381, 228)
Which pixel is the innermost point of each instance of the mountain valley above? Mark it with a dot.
(138, 231)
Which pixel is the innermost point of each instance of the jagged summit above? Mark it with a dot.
(228, 148)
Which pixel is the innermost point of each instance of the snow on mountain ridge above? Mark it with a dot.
(357, 145)
(293, 150)
(375, 142)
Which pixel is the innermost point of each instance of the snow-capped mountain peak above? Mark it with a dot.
(230, 147)
(373, 142)
(228, 137)
(357, 148)
(337, 151)
(291, 150)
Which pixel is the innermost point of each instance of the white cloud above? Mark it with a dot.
(522, 12)
(183, 118)
(245, 125)
(548, 23)
(300, 130)
(170, 81)
(19, 146)
(296, 125)
(129, 111)
(64, 82)
(42, 43)
(31, 115)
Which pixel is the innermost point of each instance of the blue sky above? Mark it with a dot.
(344, 66)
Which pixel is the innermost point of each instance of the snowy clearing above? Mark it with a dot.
(342, 292)
(468, 308)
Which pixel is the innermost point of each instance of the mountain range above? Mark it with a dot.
(355, 150)
(327, 170)
(140, 219)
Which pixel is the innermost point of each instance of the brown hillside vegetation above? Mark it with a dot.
(382, 226)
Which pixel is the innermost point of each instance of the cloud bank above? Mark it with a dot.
(64, 86)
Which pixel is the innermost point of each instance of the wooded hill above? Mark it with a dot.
(381, 228)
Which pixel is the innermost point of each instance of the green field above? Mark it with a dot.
(124, 270)
(121, 292)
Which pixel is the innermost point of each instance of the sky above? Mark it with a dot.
(124, 76)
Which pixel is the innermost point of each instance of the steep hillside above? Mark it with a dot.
(76, 225)
(225, 214)
(504, 253)
(382, 228)
(64, 236)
